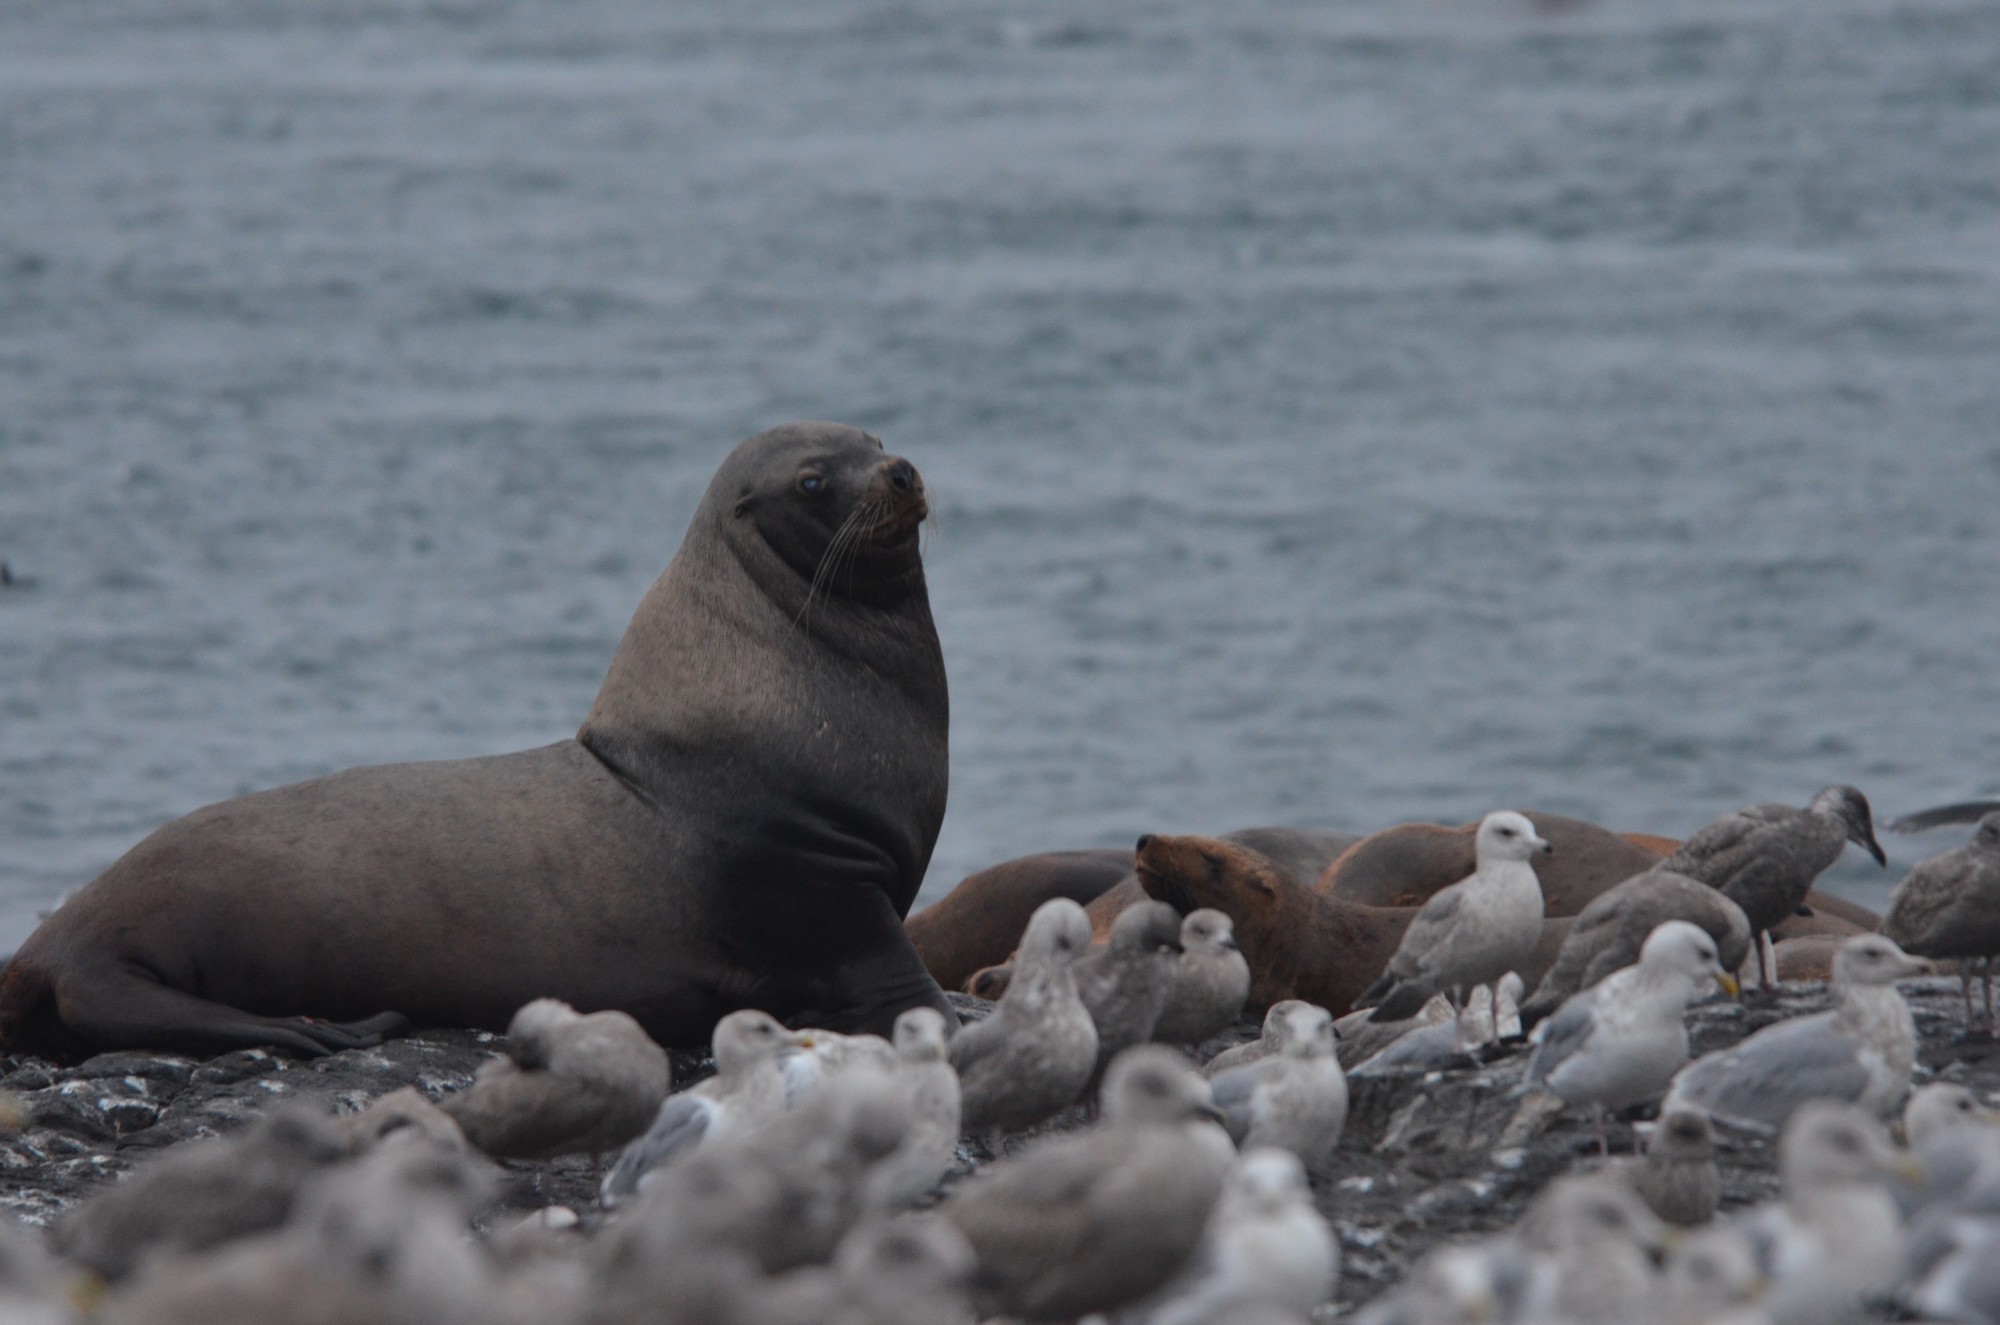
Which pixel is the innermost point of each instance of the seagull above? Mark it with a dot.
(1474, 931)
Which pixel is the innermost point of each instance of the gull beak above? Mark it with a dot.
(1544, 846)
(1210, 1112)
(1728, 983)
(1910, 1169)
(1920, 966)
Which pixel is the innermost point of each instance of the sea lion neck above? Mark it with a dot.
(734, 648)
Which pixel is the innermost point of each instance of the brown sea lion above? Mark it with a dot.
(742, 821)
(1300, 942)
(1404, 865)
(979, 922)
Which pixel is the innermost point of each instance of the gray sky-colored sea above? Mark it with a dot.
(1336, 413)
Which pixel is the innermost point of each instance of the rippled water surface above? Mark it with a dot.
(1338, 413)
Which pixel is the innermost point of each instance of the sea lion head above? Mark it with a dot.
(828, 504)
(1266, 907)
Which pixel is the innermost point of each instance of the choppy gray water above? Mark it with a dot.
(1338, 413)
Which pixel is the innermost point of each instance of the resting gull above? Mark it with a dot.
(1474, 931)
(1096, 1220)
(1265, 1245)
(747, 1090)
(1296, 1099)
(931, 1092)
(1608, 933)
(1678, 1179)
(1276, 1030)
(1949, 907)
(1210, 982)
(1830, 1247)
(569, 1084)
(1764, 858)
(1620, 1042)
(1861, 1052)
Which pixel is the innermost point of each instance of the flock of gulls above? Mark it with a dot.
(1116, 1177)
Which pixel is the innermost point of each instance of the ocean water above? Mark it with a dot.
(1337, 412)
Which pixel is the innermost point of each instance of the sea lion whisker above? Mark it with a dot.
(823, 573)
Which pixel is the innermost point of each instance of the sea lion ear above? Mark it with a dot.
(743, 504)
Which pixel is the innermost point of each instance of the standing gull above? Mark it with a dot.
(1210, 982)
(1037, 1051)
(1096, 1220)
(748, 1089)
(1126, 982)
(1474, 931)
(1861, 1052)
(1620, 1042)
(1609, 932)
(1295, 1100)
(1764, 858)
(1949, 906)
(569, 1084)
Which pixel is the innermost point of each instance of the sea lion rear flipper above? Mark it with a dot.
(116, 1005)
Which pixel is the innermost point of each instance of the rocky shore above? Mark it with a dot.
(1427, 1157)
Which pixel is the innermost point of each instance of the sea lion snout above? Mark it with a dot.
(903, 476)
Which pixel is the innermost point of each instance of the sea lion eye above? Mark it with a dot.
(811, 482)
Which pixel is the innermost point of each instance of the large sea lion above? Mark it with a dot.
(742, 821)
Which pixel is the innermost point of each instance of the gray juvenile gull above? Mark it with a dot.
(1126, 982)
(1830, 1245)
(1620, 1042)
(1764, 858)
(1361, 1039)
(1474, 931)
(1508, 992)
(1678, 1178)
(1608, 933)
(930, 1091)
(786, 1192)
(405, 1109)
(1277, 1028)
(748, 1088)
(202, 1195)
(1861, 1052)
(913, 1270)
(823, 1055)
(1033, 1056)
(1949, 907)
(1296, 1099)
(1094, 1221)
(1210, 982)
(382, 1240)
(1712, 1278)
(569, 1085)
(1265, 1245)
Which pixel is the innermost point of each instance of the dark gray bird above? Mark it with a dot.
(202, 1195)
(1678, 1178)
(1764, 858)
(1126, 982)
(1939, 816)
(1094, 1220)
(1035, 1054)
(1210, 982)
(1949, 907)
(1609, 932)
(569, 1085)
